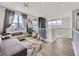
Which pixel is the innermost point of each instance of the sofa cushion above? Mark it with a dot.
(5, 34)
(17, 33)
(20, 37)
(11, 46)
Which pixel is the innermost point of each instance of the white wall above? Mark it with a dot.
(76, 42)
(67, 22)
(66, 28)
(2, 15)
(63, 31)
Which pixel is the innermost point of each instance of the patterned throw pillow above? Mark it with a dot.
(34, 35)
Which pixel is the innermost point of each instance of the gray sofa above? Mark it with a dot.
(12, 47)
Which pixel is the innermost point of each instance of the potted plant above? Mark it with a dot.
(29, 32)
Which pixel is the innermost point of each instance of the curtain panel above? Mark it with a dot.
(9, 15)
(25, 21)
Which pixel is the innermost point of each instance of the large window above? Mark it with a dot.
(17, 22)
(35, 24)
(59, 22)
(54, 23)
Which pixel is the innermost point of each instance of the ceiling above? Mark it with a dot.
(44, 9)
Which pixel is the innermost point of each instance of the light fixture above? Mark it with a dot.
(26, 4)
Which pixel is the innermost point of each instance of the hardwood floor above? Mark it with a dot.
(61, 47)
